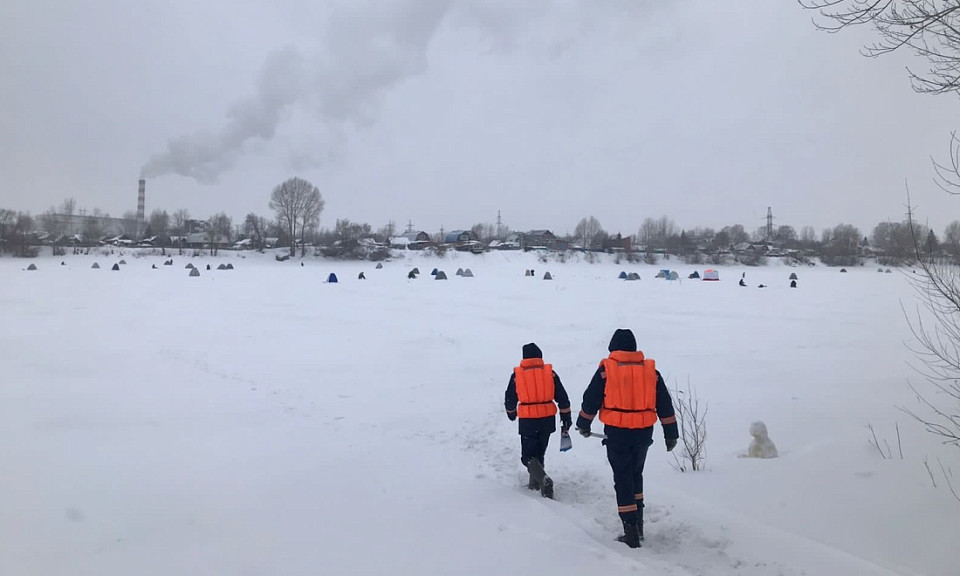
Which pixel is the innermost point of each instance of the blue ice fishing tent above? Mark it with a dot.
(673, 275)
(623, 275)
(434, 273)
(332, 278)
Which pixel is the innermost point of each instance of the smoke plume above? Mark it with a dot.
(367, 48)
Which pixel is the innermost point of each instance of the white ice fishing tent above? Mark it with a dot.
(711, 275)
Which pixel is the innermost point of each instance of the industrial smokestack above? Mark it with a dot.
(141, 202)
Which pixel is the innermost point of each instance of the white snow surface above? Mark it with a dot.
(263, 421)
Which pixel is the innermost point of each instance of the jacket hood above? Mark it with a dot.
(623, 340)
(531, 350)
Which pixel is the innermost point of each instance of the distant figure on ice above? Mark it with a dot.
(630, 395)
(793, 283)
(539, 391)
(361, 277)
(761, 446)
(742, 283)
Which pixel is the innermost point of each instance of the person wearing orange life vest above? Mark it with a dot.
(533, 395)
(629, 393)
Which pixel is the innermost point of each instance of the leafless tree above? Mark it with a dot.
(928, 28)
(68, 206)
(7, 218)
(298, 204)
(218, 231)
(180, 218)
(160, 225)
(587, 231)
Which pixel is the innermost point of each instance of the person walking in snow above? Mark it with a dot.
(629, 393)
(534, 394)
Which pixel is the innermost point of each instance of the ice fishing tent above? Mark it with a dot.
(459, 271)
(673, 275)
(467, 273)
(332, 278)
(887, 271)
(412, 275)
(416, 270)
(379, 265)
(189, 265)
(662, 274)
(880, 270)
(116, 267)
(711, 275)
(229, 266)
(194, 272)
(441, 275)
(844, 270)
(793, 276)
(124, 262)
(434, 272)
(694, 274)
(623, 275)
(633, 276)
(547, 276)
(32, 267)
(222, 267)
(168, 263)
(95, 266)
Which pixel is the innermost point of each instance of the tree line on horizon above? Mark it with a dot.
(297, 204)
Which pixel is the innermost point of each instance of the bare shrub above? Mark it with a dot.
(691, 420)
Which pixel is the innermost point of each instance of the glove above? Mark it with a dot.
(671, 443)
(565, 424)
(512, 416)
(585, 432)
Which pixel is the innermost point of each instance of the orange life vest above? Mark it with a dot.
(534, 381)
(630, 394)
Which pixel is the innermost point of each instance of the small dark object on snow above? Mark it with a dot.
(153, 266)
(793, 276)
(762, 286)
(379, 265)
(546, 276)
(194, 272)
(189, 266)
(742, 283)
(222, 267)
(124, 262)
(95, 266)
(633, 276)
(332, 278)
(694, 274)
(412, 275)
(32, 267)
(416, 270)
(434, 272)
(229, 266)
(441, 275)
(459, 271)
(168, 263)
(793, 283)
(467, 273)
(887, 271)
(62, 263)
(361, 276)
(116, 267)
(843, 269)
(208, 266)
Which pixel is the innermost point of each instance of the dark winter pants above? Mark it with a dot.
(534, 446)
(626, 460)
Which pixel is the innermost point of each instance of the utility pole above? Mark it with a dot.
(409, 226)
(769, 224)
(499, 229)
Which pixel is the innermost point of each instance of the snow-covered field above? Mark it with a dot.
(262, 421)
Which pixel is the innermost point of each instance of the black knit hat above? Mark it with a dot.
(623, 340)
(531, 350)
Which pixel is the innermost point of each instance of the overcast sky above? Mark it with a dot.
(442, 112)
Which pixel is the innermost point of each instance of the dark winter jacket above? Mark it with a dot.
(593, 400)
(534, 426)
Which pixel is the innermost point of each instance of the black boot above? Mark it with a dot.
(631, 535)
(532, 484)
(538, 475)
(640, 518)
